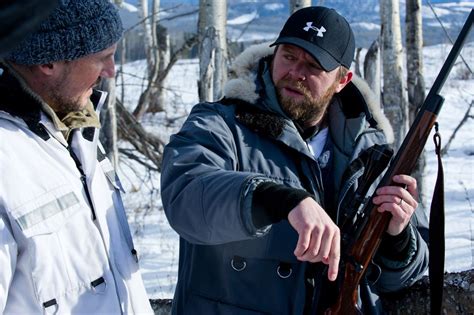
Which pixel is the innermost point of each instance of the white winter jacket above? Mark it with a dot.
(54, 258)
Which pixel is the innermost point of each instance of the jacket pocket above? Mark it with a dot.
(62, 246)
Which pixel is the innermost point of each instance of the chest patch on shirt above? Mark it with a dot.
(324, 158)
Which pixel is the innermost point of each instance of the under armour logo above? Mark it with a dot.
(309, 25)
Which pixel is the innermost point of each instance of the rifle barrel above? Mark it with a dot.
(449, 63)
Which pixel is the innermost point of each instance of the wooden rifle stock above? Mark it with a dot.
(360, 252)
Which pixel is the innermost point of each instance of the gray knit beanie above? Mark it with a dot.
(76, 28)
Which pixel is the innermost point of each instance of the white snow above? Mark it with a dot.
(129, 7)
(243, 19)
(367, 25)
(273, 6)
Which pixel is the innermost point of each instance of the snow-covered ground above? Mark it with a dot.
(158, 244)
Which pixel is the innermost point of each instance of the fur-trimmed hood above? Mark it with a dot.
(242, 84)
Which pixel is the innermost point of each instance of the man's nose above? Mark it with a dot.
(297, 72)
(109, 70)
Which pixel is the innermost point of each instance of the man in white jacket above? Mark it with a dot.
(65, 244)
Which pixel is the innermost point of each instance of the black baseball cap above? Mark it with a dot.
(323, 33)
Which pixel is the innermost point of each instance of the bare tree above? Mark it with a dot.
(163, 40)
(147, 147)
(108, 132)
(212, 49)
(357, 62)
(465, 118)
(295, 5)
(394, 95)
(151, 97)
(415, 78)
(147, 33)
(372, 67)
(414, 46)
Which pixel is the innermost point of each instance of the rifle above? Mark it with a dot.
(362, 232)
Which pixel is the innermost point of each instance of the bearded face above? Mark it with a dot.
(71, 83)
(303, 87)
(306, 109)
(65, 104)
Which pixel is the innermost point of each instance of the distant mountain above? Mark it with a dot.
(259, 20)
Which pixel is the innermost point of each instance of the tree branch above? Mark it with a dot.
(453, 135)
(148, 144)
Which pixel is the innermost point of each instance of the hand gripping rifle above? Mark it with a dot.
(362, 231)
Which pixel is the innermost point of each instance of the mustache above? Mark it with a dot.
(294, 85)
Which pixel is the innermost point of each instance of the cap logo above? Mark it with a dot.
(321, 30)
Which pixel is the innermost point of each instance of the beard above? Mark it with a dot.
(64, 104)
(310, 109)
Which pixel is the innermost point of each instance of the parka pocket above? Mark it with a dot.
(62, 246)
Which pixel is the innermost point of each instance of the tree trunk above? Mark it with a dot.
(458, 297)
(357, 62)
(163, 40)
(147, 33)
(123, 60)
(415, 78)
(295, 5)
(394, 95)
(108, 116)
(372, 67)
(151, 96)
(156, 90)
(108, 132)
(212, 49)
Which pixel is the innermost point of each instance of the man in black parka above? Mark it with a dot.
(254, 183)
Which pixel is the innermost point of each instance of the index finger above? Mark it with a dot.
(408, 180)
(334, 257)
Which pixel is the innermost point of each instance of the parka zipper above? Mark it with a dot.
(83, 179)
(349, 183)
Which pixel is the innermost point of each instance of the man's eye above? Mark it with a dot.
(289, 57)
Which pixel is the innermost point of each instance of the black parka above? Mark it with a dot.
(210, 170)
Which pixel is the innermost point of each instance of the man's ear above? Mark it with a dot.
(344, 81)
(47, 69)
